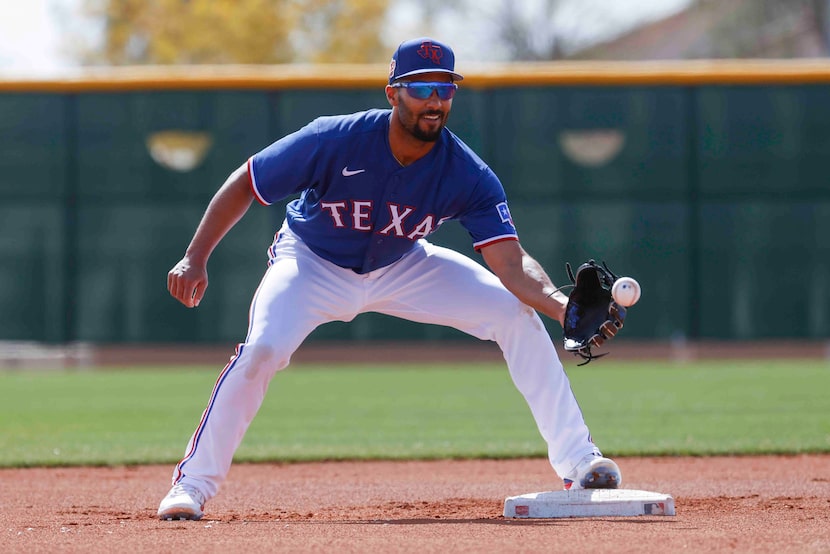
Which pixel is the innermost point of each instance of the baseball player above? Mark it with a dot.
(372, 187)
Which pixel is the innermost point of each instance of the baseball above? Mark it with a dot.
(626, 291)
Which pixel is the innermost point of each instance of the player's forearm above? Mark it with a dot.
(525, 278)
(226, 208)
(533, 287)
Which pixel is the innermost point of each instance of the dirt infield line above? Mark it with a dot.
(16, 355)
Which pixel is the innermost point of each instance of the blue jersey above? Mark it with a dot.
(359, 208)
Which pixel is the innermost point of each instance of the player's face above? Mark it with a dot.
(424, 119)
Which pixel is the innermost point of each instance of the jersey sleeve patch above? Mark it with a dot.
(504, 213)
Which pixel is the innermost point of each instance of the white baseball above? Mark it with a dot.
(626, 291)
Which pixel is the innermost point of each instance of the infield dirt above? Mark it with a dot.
(736, 504)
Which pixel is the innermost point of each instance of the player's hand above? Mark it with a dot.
(187, 282)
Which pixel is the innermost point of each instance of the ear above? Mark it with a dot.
(392, 95)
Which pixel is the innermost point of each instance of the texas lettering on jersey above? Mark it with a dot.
(359, 208)
(357, 216)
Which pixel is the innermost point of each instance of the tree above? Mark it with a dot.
(527, 30)
(342, 31)
(234, 31)
(530, 35)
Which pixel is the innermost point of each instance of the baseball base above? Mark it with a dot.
(589, 503)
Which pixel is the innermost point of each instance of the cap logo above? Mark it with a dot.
(429, 51)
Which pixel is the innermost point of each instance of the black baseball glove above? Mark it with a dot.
(591, 316)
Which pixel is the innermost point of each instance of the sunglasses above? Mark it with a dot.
(422, 91)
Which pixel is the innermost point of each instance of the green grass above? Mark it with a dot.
(648, 408)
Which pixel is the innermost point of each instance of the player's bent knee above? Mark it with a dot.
(525, 317)
(515, 318)
(263, 359)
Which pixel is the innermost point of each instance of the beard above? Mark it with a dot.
(427, 136)
(412, 123)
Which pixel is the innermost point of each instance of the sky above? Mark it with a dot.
(30, 36)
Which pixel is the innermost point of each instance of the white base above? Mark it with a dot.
(589, 503)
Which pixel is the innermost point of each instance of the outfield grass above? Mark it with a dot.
(314, 412)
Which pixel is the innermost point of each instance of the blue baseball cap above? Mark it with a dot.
(422, 55)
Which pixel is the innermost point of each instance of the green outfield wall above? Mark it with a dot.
(706, 181)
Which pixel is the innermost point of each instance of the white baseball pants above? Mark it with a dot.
(431, 284)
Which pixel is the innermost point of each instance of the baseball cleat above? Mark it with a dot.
(594, 472)
(183, 502)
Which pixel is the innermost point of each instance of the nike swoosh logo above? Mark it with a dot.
(349, 172)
